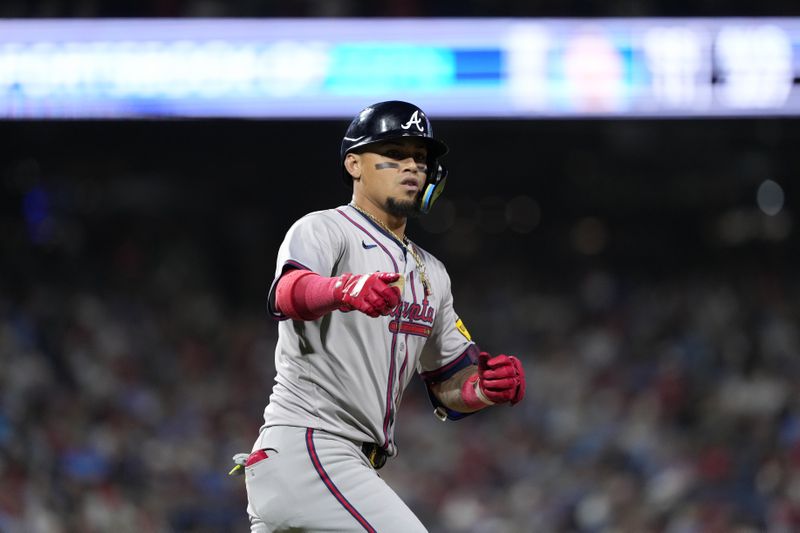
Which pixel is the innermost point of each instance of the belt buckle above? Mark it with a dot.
(375, 455)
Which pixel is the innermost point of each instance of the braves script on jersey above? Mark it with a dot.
(345, 373)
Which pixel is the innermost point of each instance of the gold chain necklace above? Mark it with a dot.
(423, 276)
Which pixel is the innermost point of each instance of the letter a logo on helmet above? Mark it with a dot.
(415, 120)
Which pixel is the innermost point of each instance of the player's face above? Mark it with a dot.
(393, 174)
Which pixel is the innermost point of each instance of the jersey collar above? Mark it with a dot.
(388, 234)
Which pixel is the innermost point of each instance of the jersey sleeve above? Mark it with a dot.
(451, 341)
(453, 350)
(313, 243)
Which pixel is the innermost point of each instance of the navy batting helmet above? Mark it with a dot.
(392, 120)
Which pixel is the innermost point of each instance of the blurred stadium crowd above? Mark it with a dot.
(136, 356)
(662, 406)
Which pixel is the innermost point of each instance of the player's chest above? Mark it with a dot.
(417, 310)
(374, 253)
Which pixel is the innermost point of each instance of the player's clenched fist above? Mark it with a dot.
(369, 293)
(501, 378)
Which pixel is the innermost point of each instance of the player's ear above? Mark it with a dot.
(352, 163)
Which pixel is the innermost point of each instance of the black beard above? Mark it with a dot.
(402, 208)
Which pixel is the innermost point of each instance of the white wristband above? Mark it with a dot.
(481, 396)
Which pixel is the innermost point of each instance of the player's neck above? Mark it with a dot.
(395, 224)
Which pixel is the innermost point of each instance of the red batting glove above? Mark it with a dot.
(501, 378)
(368, 293)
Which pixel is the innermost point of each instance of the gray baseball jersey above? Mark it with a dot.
(345, 373)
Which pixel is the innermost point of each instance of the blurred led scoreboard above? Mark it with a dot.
(316, 68)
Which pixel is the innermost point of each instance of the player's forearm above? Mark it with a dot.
(304, 295)
(454, 393)
(494, 380)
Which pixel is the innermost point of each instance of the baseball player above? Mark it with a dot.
(357, 301)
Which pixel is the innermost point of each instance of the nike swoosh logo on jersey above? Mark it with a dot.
(368, 246)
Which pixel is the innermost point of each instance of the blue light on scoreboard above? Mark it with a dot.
(479, 66)
(376, 68)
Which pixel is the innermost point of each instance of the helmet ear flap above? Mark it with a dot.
(434, 186)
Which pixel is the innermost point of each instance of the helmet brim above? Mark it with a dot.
(436, 148)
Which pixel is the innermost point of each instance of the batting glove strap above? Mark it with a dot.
(473, 396)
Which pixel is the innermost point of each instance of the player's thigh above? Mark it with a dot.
(357, 498)
(275, 485)
(264, 497)
(314, 481)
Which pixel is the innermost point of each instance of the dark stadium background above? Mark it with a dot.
(170, 229)
(657, 195)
